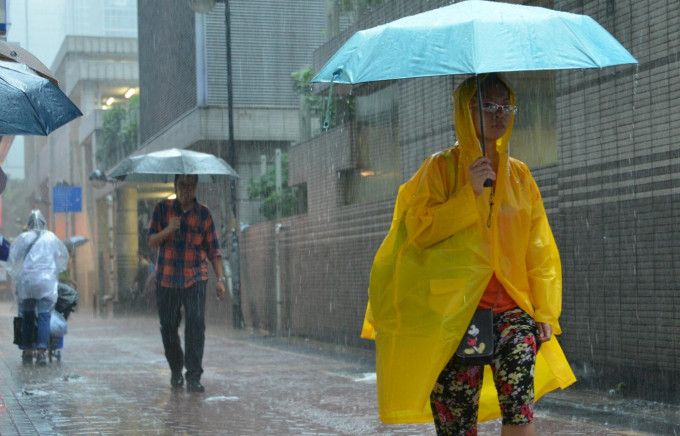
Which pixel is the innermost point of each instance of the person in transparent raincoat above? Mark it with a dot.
(455, 246)
(36, 258)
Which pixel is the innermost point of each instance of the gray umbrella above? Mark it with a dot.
(73, 242)
(161, 167)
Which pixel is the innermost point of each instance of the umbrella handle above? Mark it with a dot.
(488, 182)
(327, 120)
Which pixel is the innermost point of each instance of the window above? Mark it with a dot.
(375, 175)
(534, 136)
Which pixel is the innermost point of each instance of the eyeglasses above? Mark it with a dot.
(490, 107)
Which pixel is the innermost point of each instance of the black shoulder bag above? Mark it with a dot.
(477, 346)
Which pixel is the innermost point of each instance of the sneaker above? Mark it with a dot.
(27, 358)
(40, 359)
(195, 386)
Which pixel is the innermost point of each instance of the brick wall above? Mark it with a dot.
(617, 185)
(325, 255)
(610, 198)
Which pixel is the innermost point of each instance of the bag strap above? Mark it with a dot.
(39, 234)
(498, 295)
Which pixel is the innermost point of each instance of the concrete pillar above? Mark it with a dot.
(127, 243)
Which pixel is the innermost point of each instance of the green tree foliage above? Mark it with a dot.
(119, 136)
(342, 106)
(131, 126)
(264, 188)
(314, 103)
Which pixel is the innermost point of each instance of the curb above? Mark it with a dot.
(596, 407)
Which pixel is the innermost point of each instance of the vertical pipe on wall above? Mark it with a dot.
(127, 245)
(113, 294)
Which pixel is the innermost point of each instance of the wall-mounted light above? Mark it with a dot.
(110, 101)
(172, 196)
(99, 179)
(130, 92)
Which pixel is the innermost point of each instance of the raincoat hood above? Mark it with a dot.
(430, 272)
(465, 129)
(36, 221)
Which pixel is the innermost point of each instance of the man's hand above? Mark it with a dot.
(221, 291)
(156, 239)
(174, 223)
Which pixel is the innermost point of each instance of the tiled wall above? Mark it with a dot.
(612, 200)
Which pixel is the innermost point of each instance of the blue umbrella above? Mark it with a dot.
(33, 104)
(474, 37)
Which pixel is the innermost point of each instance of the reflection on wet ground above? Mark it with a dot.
(113, 379)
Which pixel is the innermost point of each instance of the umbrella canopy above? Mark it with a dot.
(161, 167)
(34, 104)
(14, 53)
(73, 242)
(474, 37)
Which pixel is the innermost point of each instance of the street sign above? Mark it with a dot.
(67, 199)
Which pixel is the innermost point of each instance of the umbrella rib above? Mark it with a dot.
(43, 108)
(577, 36)
(27, 98)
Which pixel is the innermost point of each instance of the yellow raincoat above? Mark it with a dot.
(431, 270)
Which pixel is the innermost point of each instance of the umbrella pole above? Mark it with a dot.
(488, 182)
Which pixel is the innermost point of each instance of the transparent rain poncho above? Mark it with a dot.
(431, 270)
(36, 271)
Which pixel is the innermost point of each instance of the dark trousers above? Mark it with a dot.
(28, 307)
(170, 302)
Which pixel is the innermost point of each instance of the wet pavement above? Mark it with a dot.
(113, 380)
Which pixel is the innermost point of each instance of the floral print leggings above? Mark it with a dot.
(455, 396)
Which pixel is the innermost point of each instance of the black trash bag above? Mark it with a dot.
(18, 338)
(67, 300)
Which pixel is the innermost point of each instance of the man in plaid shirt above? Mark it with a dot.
(184, 233)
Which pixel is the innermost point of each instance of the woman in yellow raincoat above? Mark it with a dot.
(454, 246)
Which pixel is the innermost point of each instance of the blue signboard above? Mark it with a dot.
(67, 199)
(3, 19)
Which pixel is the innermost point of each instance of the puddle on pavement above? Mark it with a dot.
(220, 398)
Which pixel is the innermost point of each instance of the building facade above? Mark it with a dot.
(90, 70)
(91, 47)
(184, 92)
(605, 158)
(184, 102)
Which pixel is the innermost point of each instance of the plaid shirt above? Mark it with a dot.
(182, 259)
